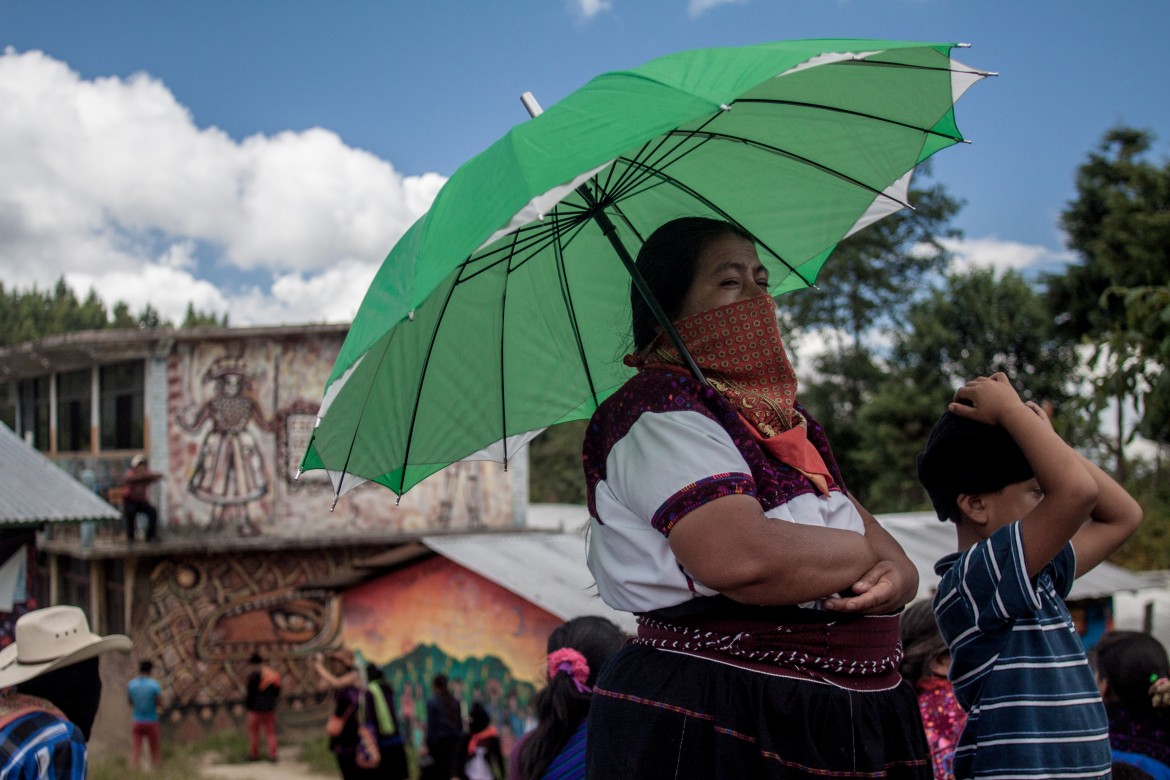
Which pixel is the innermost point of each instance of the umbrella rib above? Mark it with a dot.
(800, 159)
(537, 238)
(673, 182)
(567, 296)
(503, 341)
(850, 112)
(422, 376)
(357, 424)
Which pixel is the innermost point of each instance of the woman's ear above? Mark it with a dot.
(972, 507)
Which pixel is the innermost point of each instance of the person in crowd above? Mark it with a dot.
(483, 758)
(135, 500)
(577, 649)
(381, 712)
(925, 664)
(444, 732)
(263, 694)
(49, 693)
(720, 518)
(1133, 675)
(144, 693)
(1030, 515)
(338, 671)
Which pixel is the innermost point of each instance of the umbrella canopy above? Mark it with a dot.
(505, 309)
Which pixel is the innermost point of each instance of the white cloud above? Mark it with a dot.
(991, 252)
(587, 9)
(699, 7)
(110, 183)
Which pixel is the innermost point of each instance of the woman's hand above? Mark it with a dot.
(880, 590)
(890, 584)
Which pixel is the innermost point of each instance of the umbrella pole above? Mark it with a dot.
(610, 232)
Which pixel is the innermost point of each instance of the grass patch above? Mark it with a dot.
(316, 754)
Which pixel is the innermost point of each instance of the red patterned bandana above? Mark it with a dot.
(739, 349)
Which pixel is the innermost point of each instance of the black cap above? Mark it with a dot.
(963, 456)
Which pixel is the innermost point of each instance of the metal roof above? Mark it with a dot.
(34, 490)
(548, 567)
(925, 539)
(545, 568)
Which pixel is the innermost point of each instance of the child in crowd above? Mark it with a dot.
(925, 665)
(1132, 674)
(1020, 498)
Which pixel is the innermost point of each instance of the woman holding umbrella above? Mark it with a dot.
(767, 644)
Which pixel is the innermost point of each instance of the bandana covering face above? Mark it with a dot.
(739, 349)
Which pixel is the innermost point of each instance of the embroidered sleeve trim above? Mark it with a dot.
(698, 493)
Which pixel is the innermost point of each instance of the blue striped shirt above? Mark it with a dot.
(1018, 666)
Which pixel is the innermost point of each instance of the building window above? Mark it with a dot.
(75, 583)
(73, 411)
(8, 405)
(113, 572)
(122, 390)
(34, 411)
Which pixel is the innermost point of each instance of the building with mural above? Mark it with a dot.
(248, 557)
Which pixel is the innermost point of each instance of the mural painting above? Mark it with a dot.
(230, 471)
(206, 615)
(436, 617)
(241, 412)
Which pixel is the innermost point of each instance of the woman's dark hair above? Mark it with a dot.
(559, 706)
(922, 643)
(667, 261)
(1126, 660)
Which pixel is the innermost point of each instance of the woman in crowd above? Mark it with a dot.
(1132, 673)
(925, 664)
(444, 732)
(767, 644)
(344, 680)
(555, 749)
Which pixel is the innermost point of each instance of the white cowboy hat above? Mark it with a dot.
(51, 638)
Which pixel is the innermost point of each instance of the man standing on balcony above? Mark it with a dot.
(137, 480)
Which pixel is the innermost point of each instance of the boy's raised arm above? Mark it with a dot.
(1069, 491)
(1113, 520)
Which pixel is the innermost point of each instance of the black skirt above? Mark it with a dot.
(659, 714)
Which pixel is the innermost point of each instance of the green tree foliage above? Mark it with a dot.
(554, 465)
(868, 286)
(34, 314)
(201, 319)
(1119, 227)
(977, 323)
(873, 275)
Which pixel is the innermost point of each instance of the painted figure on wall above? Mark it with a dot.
(229, 470)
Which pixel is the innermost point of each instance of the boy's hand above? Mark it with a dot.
(990, 400)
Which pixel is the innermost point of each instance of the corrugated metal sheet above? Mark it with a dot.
(925, 540)
(548, 568)
(543, 567)
(34, 490)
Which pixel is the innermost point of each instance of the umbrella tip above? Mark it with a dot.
(962, 45)
(334, 504)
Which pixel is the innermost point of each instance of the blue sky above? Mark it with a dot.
(261, 157)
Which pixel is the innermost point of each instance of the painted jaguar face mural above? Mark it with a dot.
(273, 623)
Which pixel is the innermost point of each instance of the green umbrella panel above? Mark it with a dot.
(505, 309)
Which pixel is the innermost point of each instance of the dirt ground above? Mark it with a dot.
(287, 768)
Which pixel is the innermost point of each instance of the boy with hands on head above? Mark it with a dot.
(1031, 514)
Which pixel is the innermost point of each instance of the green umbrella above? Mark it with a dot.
(505, 308)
